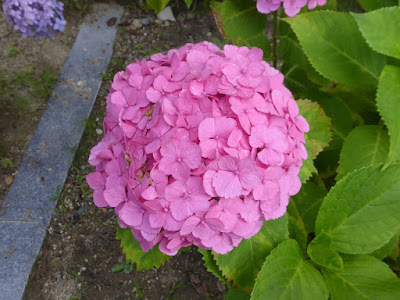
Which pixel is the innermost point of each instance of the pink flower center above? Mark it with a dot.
(166, 210)
(217, 137)
(179, 159)
(236, 172)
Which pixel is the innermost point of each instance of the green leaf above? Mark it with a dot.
(188, 3)
(363, 277)
(340, 114)
(381, 29)
(361, 212)
(297, 229)
(287, 275)
(319, 135)
(369, 5)
(157, 5)
(317, 138)
(388, 102)
(388, 248)
(308, 202)
(365, 146)
(336, 48)
(131, 248)
(243, 263)
(320, 252)
(117, 268)
(241, 23)
(211, 264)
(235, 294)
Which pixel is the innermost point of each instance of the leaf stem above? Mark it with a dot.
(275, 25)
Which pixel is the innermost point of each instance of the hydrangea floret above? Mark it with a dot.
(291, 7)
(38, 18)
(201, 146)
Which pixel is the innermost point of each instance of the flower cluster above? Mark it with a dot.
(292, 7)
(37, 18)
(201, 145)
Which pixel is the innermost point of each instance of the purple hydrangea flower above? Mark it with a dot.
(38, 18)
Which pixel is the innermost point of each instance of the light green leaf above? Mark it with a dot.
(241, 23)
(361, 212)
(211, 264)
(243, 263)
(131, 248)
(381, 29)
(388, 248)
(365, 146)
(320, 251)
(157, 5)
(317, 138)
(369, 5)
(336, 48)
(287, 275)
(188, 3)
(308, 202)
(363, 277)
(320, 125)
(388, 102)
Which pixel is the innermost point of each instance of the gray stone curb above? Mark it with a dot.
(27, 211)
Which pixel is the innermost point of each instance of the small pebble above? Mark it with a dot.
(99, 131)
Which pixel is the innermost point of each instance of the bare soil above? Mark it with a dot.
(28, 71)
(80, 249)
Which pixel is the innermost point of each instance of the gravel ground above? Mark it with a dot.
(80, 249)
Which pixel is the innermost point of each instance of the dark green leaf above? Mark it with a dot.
(388, 248)
(369, 5)
(308, 202)
(117, 268)
(241, 23)
(287, 275)
(297, 230)
(243, 263)
(235, 294)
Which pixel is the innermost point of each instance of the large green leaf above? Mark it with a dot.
(243, 263)
(381, 29)
(157, 5)
(365, 146)
(308, 202)
(320, 251)
(235, 294)
(287, 275)
(369, 5)
(131, 248)
(388, 102)
(363, 277)
(336, 48)
(361, 212)
(388, 248)
(211, 264)
(241, 23)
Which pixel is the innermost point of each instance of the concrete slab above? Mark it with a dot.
(27, 211)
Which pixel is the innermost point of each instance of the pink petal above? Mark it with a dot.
(207, 129)
(153, 95)
(227, 184)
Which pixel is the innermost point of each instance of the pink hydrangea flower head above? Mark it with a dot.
(291, 7)
(201, 146)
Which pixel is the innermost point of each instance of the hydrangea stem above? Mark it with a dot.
(275, 39)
